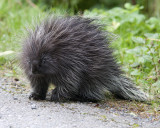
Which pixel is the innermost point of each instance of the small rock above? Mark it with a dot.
(133, 114)
(16, 79)
(15, 98)
(33, 106)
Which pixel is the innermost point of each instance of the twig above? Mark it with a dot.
(31, 3)
(134, 2)
(153, 39)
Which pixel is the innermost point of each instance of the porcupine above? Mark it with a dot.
(74, 54)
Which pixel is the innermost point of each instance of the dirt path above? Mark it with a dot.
(16, 111)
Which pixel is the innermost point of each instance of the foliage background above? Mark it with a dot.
(135, 23)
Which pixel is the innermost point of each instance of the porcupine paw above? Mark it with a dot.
(56, 97)
(36, 96)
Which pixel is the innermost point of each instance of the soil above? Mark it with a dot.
(17, 111)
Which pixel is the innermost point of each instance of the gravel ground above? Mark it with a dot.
(16, 111)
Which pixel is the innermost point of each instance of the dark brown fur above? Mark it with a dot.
(73, 53)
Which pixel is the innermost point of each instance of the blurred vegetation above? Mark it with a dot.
(136, 26)
(151, 7)
(138, 43)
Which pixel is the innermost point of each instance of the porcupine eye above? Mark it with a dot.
(29, 62)
(43, 61)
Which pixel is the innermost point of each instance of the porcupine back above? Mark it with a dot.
(80, 61)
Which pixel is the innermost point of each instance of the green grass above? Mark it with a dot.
(137, 47)
(14, 16)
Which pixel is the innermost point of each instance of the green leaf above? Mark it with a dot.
(152, 35)
(157, 84)
(137, 50)
(128, 6)
(141, 60)
(136, 72)
(138, 40)
(6, 53)
(134, 65)
(147, 58)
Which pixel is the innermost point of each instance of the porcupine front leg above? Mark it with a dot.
(64, 93)
(39, 89)
(66, 87)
